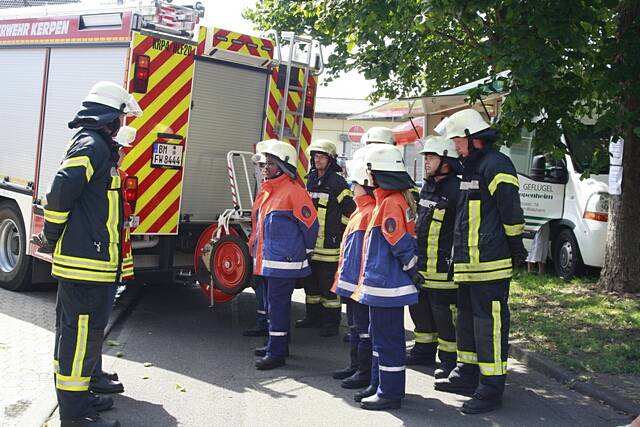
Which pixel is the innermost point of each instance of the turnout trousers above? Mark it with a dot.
(322, 304)
(82, 312)
(483, 332)
(389, 351)
(279, 291)
(359, 338)
(434, 317)
(111, 299)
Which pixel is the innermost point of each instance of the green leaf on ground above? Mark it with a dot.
(147, 364)
(145, 377)
(180, 388)
(113, 343)
(119, 354)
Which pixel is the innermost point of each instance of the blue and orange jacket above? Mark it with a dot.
(285, 227)
(389, 252)
(350, 263)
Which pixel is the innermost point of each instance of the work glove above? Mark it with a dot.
(416, 278)
(518, 252)
(44, 246)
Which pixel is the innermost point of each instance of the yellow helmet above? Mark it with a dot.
(325, 146)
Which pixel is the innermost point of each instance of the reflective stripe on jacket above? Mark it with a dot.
(434, 228)
(285, 227)
(83, 212)
(489, 214)
(389, 251)
(350, 262)
(334, 202)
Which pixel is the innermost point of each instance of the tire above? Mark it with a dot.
(15, 264)
(567, 260)
(231, 264)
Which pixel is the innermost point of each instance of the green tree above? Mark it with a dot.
(567, 60)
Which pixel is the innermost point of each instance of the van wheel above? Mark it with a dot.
(566, 255)
(15, 264)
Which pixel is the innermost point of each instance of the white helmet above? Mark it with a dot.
(357, 171)
(280, 149)
(378, 134)
(443, 147)
(114, 96)
(384, 158)
(325, 146)
(465, 123)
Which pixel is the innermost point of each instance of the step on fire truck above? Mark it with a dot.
(207, 94)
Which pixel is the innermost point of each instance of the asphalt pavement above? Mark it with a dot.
(186, 364)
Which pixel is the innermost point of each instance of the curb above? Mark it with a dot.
(551, 369)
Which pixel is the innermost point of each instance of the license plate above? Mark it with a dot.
(166, 156)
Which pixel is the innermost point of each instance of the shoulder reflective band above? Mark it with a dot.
(80, 161)
(502, 178)
(346, 192)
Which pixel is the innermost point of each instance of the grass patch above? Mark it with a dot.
(576, 324)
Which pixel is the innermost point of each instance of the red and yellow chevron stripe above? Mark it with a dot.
(165, 106)
(293, 102)
(242, 43)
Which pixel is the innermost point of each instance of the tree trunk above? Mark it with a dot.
(621, 270)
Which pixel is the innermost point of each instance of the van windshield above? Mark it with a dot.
(589, 149)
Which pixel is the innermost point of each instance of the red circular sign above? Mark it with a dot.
(355, 133)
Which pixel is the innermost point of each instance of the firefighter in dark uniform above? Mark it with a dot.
(83, 227)
(333, 200)
(434, 315)
(487, 244)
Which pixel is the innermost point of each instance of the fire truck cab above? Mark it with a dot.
(204, 92)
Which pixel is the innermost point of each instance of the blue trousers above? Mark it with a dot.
(279, 291)
(261, 303)
(388, 364)
(359, 338)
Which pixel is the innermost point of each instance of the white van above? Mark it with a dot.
(552, 192)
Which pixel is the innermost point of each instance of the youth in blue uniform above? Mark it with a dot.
(285, 227)
(347, 278)
(389, 277)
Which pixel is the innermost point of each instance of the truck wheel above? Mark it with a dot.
(566, 255)
(231, 265)
(15, 264)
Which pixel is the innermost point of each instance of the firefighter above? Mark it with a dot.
(348, 275)
(285, 227)
(434, 315)
(332, 199)
(487, 243)
(378, 135)
(390, 276)
(101, 381)
(83, 227)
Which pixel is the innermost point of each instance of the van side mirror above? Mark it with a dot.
(558, 171)
(538, 165)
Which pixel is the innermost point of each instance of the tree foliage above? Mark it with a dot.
(561, 54)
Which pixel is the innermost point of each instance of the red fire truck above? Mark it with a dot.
(208, 95)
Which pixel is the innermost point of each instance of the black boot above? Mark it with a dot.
(269, 362)
(480, 404)
(343, 373)
(100, 403)
(369, 391)
(359, 379)
(104, 385)
(113, 376)
(462, 380)
(444, 369)
(422, 354)
(377, 403)
(312, 319)
(90, 421)
(262, 351)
